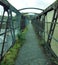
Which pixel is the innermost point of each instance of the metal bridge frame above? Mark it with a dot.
(31, 8)
(9, 9)
(9, 23)
(54, 7)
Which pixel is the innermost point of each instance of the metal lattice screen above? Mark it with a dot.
(9, 28)
(54, 42)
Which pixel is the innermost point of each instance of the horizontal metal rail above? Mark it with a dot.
(47, 33)
(9, 30)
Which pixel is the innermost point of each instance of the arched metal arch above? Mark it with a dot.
(31, 8)
(31, 12)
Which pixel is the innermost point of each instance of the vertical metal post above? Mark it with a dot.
(39, 24)
(18, 20)
(4, 37)
(12, 27)
(47, 24)
(52, 27)
(44, 26)
(2, 19)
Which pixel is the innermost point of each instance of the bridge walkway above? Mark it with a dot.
(31, 52)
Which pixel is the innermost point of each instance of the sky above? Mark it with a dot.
(19, 4)
(31, 3)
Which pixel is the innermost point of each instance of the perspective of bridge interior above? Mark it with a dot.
(28, 32)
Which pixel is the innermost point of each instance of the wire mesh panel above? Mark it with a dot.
(17, 24)
(8, 42)
(9, 27)
(2, 27)
(48, 20)
(1, 42)
(54, 41)
(23, 22)
(38, 24)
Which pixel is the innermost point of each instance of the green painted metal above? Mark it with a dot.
(10, 29)
(9, 9)
(7, 4)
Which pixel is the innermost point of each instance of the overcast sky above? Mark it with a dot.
(18, 4)
(31, 3)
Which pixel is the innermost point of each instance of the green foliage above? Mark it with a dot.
(11, 55)
(42, 43)
(21, 37)
(54, 61)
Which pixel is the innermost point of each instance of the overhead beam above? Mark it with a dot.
(31, 8)
(31, 12)
(6, 4)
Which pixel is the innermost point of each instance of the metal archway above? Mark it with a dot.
(31, 8)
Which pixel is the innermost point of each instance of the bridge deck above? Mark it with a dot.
(31, 53)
